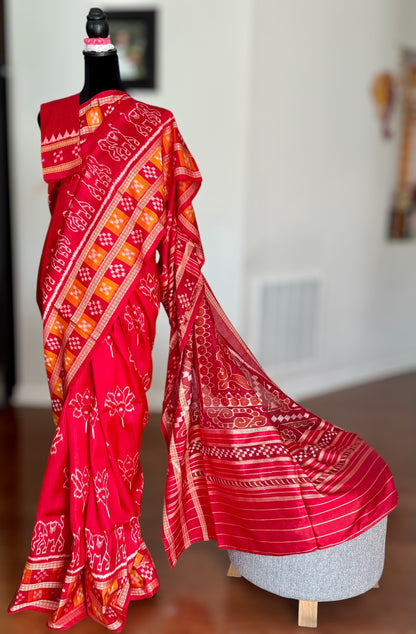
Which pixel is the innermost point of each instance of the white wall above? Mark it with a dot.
(321, 180)
(273, 99)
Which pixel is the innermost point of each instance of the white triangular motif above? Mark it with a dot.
(51, 139)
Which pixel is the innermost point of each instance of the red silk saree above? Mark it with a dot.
(247, 466)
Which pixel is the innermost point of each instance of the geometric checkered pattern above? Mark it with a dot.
(158, 204)
(106, 239)
(238, 453)
(150, 172)
(96, 308)
(53, 343)
(184, 301)
(117, 270)
(146, 571)
(67, 311)
(85, 275)
(127, 204)
(137, 237)
(74, 343)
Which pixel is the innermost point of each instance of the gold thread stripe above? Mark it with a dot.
(48, 147)
(62, 167)
(108, 99)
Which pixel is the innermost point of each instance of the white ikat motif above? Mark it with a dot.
(56, 405)
(134, 319)
(81, 484)
(136, 237)
(97, 549)
(106, 239)
(57, 439)
(66, 311)
(53, 343)
(158, 204)
(117, 270)
(121, 554)
(48, 537)
(120, 402)
(150, 172)
(146, 571)
(74, 343)
(135, 530)
(149, 286)
(95, 308)
(127, 204)
(85, 406)
(101, 488)
(110, 343)
(129, 467)
(85, 275)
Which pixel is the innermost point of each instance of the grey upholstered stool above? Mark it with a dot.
(335, 573)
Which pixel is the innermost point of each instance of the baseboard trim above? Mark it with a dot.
(320, 383)
(31, 395)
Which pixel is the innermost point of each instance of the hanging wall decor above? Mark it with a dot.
(384, 94)
(134, 35)
(403, 214)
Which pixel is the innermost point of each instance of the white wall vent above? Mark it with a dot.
(285, 320)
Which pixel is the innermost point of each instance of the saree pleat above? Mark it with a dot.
(88, 524)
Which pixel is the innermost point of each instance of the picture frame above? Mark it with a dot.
(402, 221)
(133, 33)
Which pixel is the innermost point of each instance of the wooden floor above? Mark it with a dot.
(197, 597)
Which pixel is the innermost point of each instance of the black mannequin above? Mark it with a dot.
(101, 69)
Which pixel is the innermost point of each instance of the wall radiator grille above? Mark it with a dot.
(287, 320)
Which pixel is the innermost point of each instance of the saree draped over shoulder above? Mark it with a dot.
(247, 466)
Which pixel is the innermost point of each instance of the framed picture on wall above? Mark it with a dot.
(133, 33)
(403, 213)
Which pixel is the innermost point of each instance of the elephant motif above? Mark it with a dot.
(76, 547)
(118, 145)
(61, 253)
(100, 171)
(97, 547)
(135, 530)
(121, 545)
(77, 217)
(144, 118)
(101, 176)
(48, 537)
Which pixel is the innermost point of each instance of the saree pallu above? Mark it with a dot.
(247, 466)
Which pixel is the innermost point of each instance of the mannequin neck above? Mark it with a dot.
(101, 73)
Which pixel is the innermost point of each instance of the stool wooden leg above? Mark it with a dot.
(308, 614)
(233, 572)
